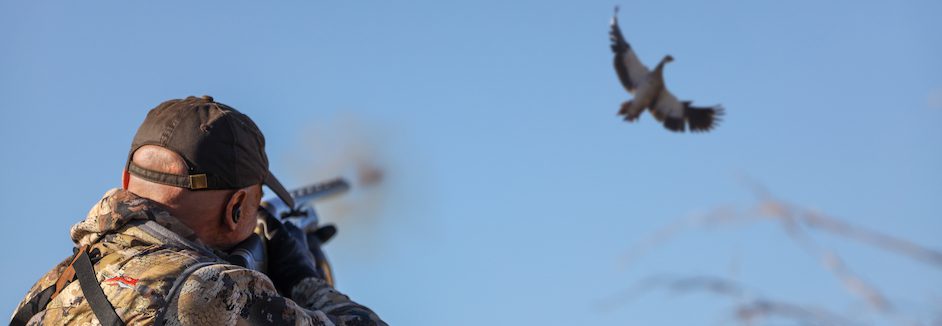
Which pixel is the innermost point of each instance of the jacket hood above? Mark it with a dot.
(120, 209)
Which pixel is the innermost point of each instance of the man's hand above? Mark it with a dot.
(289, 260)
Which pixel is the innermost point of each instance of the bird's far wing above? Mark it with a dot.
(630, 70)
(679, 115)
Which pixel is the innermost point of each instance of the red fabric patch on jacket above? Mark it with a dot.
(122, 281)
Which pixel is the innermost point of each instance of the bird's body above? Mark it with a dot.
(649, 91)
(644, 94)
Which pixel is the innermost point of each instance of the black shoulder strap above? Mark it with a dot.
(32, 307)
(38, 302)
(93, 293)
(81, 268)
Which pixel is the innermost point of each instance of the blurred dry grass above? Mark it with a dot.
(798, 223)
(750, 307)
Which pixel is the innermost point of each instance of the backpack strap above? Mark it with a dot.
(82, 267)
(175, 289)
(39, 301)
(94, 295)
(32, 307)
(68, 275)
(91, 288)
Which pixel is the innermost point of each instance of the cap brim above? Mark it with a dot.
(279, 190)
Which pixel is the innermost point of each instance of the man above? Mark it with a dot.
(154, 252)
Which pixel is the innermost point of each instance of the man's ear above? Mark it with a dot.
(125, 179)
(234, 210)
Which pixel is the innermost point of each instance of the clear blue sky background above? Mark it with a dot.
(511, 187)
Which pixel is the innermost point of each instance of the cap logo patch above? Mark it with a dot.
(198, 181)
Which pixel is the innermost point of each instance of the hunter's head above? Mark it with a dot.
(205, 163)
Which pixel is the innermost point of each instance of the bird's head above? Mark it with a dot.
(667, 58)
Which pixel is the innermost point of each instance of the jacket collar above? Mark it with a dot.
(119, 210)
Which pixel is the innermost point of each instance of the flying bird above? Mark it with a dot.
(649, 91)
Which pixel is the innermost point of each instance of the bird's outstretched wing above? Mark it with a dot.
(630, 70)
(680, 115)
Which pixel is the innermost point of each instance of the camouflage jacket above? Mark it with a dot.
(141, 251)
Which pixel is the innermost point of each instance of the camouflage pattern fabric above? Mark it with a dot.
(137, 267)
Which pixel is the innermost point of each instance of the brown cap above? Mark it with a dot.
(222, 148)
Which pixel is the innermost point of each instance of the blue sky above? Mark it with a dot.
(511, 189)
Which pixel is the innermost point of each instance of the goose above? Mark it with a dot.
(649, 91)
